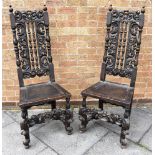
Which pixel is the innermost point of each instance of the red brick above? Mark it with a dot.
(67, 10)
(67, 38)
(84, 51)
(66, 23)
(58, 44)
(67, 63)
(52, 3)
(51, 10)
(4, 46)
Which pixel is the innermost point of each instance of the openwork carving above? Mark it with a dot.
(123, 42)
(100, 114)
(66, 116)
(33, 58)
(86, 115)
(31, 41)
(122, 46)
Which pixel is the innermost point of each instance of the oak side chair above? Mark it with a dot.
(33, 58)
(122, 46)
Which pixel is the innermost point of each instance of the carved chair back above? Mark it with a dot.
(32, 44)
(122, 43)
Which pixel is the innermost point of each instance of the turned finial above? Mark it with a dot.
(143, 9)
(11, 9)
(45, 8)
(110, 7)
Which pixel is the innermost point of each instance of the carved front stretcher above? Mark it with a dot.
(122, 46)
(33, 58)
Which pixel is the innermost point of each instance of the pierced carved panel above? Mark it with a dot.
(32, 41)
(123, 41)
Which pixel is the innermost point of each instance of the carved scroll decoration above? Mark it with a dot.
(123, 42)
(33, 42)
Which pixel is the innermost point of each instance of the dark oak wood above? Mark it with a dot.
(33, 58)
(122, 46)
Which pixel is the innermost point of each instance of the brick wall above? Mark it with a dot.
(77, 29)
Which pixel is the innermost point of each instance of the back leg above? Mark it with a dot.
(53, 105)
(68, 117)
(101, 104)
(84, 101)
(83, 115)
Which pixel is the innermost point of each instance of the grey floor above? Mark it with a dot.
(101, 138)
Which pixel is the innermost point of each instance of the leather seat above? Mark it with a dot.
(115, 93)
(33, 94)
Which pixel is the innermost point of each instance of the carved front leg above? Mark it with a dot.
(25, 128)
(125, 128)
(67, 119)
(83, 118)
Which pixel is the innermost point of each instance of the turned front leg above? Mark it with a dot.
(125, 127)
(25, 128)
(83, 119)
(83, 115)
(68, 117)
